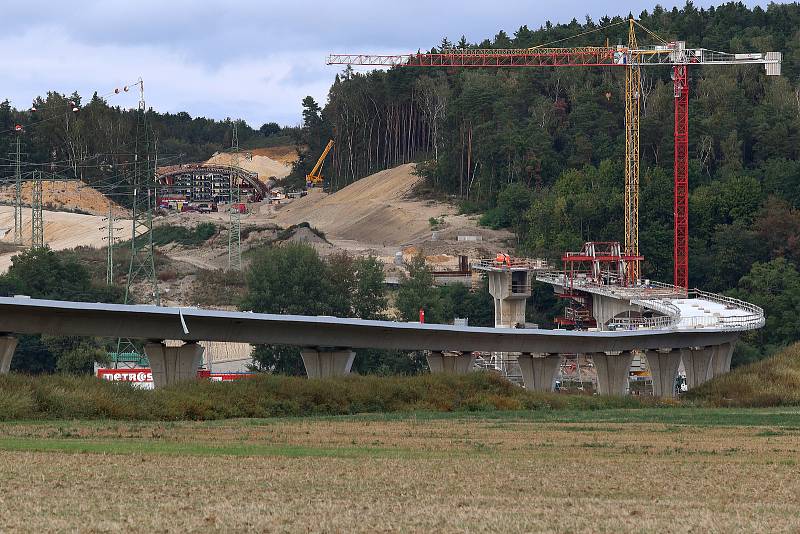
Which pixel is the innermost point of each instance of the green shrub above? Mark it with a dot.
(266, 395)
(192, 237)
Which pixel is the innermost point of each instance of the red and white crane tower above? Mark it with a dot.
(631, 57)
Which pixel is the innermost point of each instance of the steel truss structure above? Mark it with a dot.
(632, 58)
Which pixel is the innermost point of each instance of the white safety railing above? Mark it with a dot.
(531, 264)
(657, 296)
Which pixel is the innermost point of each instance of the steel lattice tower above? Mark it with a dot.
(142, 268)
(17, 194)
(142, 265)
(37, 215)
(111, 238)
(633, 84)
(680, 78)
(235, 229)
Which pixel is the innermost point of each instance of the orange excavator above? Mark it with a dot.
(315, 176)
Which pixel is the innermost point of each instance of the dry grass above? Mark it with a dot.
(409, 474)
(774, 381)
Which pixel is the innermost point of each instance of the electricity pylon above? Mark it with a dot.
(37, 214)
(142, 267)
(18, 194)
(112, 239)
(235, 231)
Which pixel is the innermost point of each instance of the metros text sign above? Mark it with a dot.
(139, 378)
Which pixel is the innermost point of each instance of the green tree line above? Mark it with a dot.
(540, 151)
(97, 143)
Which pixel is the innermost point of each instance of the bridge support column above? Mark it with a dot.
(722, 359)
(173, 364)
(8, 344)
(698, 365)
(664, 369)
(539, 370)
(612, 372)
(459, 363)
(321, 363)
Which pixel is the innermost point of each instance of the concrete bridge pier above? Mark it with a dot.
(613, 371)
(459, 363)
(722, 359)
(664, 365)
(697, 363)
(324, 363)
(173, 364)
(8, 344)
(539, 370)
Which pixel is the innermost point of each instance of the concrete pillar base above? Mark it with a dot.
(459, 363)
(539, 370)
(722, 359)
(612, 372)
(327, 363)
(8, 344)
(698, 365)
(173, 364)
(664, 369)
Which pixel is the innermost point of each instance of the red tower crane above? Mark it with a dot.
(632, 58)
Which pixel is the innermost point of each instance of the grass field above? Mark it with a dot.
(633, 470)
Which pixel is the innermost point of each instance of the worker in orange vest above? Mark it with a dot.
(503, 259)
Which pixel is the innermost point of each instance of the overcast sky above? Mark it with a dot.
(250, 59)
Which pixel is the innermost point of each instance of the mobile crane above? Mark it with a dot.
(315, 176)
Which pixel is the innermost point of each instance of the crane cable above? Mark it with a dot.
(587, 32)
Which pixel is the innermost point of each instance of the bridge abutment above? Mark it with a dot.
(8, 344)
(539, 370)
(459, 363)
(320, 363)
(173, 364)
(612, 371)
(664, 366)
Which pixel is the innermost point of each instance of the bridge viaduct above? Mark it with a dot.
(327, 343)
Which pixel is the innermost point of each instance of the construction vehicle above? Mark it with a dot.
(315, 176)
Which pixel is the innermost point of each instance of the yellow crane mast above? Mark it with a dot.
(315, 176)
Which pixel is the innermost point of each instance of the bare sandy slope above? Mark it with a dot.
(265, 167)
(380, 211)
(284, 154)
(375, 210)
(61, 230)
(69, 194)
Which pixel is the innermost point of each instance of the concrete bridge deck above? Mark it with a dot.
(327, 343)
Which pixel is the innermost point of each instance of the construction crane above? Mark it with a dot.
(315, 176)
(631, 57)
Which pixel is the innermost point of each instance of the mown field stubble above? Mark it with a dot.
(708, 470)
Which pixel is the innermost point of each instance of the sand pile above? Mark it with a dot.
(68, 195)
(283, 154)
(265, 167)
(61, 230)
